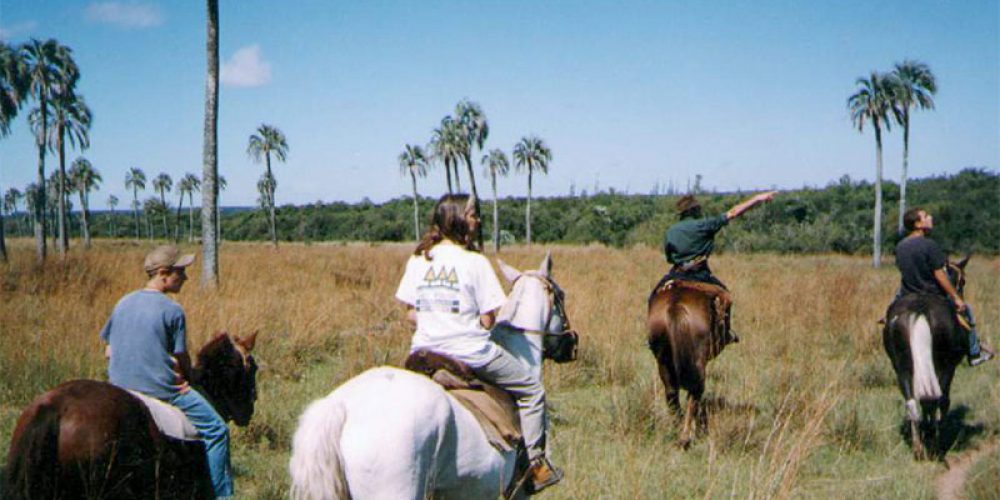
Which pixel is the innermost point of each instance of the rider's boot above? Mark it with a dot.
(543, 474)
(731, 337)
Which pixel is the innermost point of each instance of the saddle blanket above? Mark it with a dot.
(169, 419)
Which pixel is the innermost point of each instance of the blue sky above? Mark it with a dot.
(626, 94)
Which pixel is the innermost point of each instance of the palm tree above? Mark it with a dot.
(531, 154)
(210, 160)
(53, 192)
(194, 184)
(265, 186)
(915, 86)
(13, 91)
(150, 209)
(112, 203)
(183, 188)
(446, 147)
(871, 103)
(49, 67)
(473, 131)
(163, 184)
(413, 161)
(10, 200)
(85, 179)
(496, 164)
(135, 180)
(266, 141)
(69, 119)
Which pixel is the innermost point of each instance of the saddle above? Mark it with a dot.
(493, 407)
(169, 419)
(722, 300)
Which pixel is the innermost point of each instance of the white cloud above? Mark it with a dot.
(125, 15)
(246, 68)
(15, 30)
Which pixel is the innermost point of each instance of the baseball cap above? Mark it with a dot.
(166, 256)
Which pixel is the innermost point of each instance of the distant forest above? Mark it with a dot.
(836, 218)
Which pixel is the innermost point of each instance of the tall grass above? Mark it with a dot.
(804, 406)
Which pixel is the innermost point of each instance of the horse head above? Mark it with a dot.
(537, 305)
(227, 373)
(956, 274)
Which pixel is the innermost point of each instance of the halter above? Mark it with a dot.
(556, 305)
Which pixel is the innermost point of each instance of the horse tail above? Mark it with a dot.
(32, 469)
(925, 381)
(316, 465)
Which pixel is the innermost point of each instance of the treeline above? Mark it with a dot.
(836, 218)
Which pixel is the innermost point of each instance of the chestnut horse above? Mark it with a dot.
(925, 342)
(683, 337)
(90, 439)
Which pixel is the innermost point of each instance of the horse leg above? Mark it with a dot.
(686, 429)
(913, 417)
(670, 389)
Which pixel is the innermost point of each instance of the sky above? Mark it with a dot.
(627, 94)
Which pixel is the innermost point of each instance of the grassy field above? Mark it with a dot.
(806, 406)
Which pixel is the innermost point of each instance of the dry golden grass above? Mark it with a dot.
(806, 406)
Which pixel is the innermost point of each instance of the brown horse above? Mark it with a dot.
(684, 336)
(90, 439)
(925, 342)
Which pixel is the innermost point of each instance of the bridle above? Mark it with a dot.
(557, 306)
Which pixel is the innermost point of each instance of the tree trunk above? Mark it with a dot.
(177, 219)
(458, 181)
(63, 225)
(270, 199)
(40, 243)
(210, 188)
(902, 177)
(447, 171)
(416, 207)
(527, 213)
(191, 219)
(475, 195)
(877, 243)
(3, 243)
(111, 223)
(163, 201)
(86, 222)
(496, 214)
(135, 211)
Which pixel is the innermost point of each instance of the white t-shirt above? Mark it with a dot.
(449, 293)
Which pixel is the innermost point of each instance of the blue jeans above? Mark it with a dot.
(214, 432)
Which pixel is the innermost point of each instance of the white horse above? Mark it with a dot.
(393, 434)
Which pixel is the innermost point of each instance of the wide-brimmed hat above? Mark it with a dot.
(687, 202)
(166, 256)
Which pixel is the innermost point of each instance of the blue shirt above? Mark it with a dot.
(144, 331)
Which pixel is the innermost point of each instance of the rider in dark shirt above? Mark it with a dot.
(922, 265)
(688, 243)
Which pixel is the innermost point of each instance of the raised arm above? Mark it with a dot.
(739, 209)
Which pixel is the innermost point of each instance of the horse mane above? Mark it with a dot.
(509, 308)
(211, 349)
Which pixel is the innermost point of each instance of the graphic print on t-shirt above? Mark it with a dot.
(442, 285)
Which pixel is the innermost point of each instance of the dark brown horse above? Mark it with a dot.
(90, 439)
(684, 336)
(925, 342)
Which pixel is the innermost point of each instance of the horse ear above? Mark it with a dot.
(961, 264)
(546, 267)
(248, 342)
(509, 273)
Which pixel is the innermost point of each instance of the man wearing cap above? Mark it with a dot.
(146, 339)
(689, 242)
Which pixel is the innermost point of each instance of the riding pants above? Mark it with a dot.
(510, 374)
(214, 432)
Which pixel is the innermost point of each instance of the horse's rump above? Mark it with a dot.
(918, 329)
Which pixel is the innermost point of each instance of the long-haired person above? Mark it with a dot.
(452, 294)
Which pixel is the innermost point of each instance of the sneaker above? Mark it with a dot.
(983, 357)
(543, 475)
